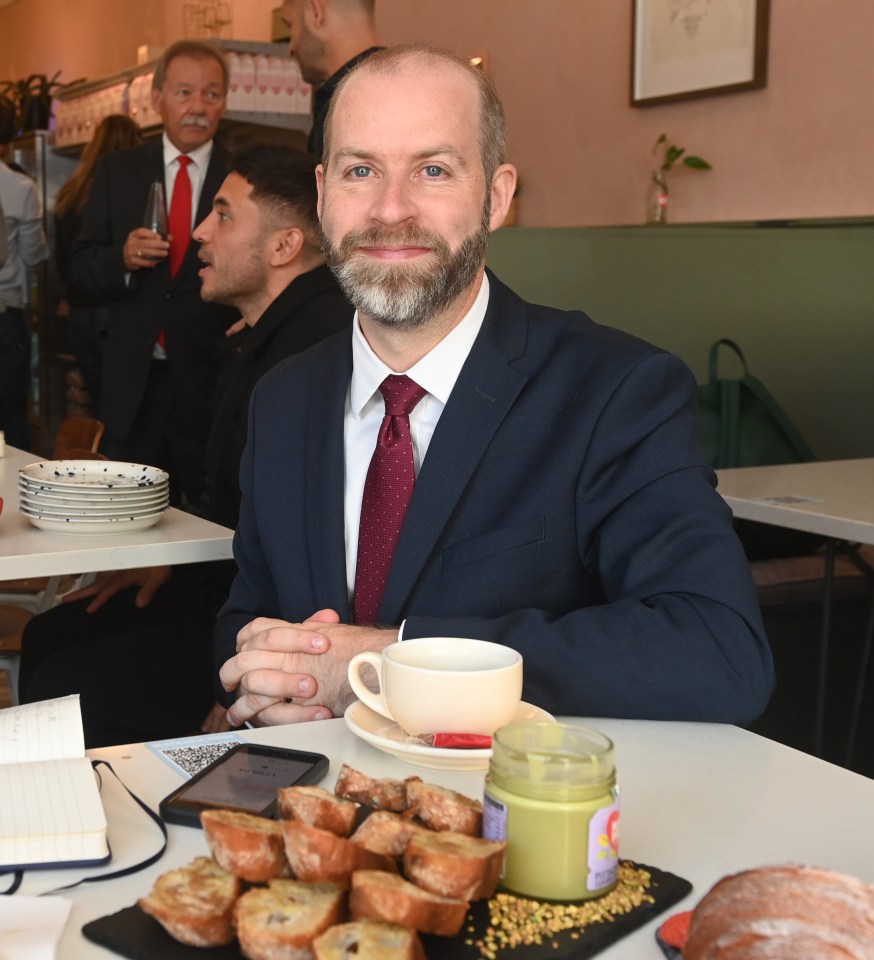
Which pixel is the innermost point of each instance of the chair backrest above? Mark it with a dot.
(77, 433)
(80, 453)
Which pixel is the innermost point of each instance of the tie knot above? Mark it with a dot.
(401, 395)
(183, 161)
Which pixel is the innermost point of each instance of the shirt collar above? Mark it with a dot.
(199, 157)
(436, 372)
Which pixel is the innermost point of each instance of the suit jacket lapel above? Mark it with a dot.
(325, 474)
(483, 395)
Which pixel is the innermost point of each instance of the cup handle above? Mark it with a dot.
(376, 701)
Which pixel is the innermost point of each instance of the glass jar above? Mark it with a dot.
(657, 198)
(551, 794)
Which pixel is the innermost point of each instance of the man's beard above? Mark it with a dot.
(405, 294)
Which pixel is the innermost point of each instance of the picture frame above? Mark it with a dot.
(684, 49)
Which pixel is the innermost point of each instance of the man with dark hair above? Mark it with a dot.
(111, 642)
(161, 350)
(328, 38)
(467, 464)
(25, 247)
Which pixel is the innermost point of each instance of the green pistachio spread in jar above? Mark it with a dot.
(551, 794)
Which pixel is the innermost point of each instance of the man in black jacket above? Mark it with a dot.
(111, 642)
(328, 38)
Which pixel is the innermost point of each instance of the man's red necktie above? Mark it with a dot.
(179, 222)
(387, 492)
(179, 219)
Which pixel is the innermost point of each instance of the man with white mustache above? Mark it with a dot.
(160, 349)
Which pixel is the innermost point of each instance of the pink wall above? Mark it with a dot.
(802, 147)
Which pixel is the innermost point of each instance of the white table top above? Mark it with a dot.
(834, 498)
(26, 551)
(698, 800)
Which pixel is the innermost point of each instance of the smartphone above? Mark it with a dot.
(247, 778)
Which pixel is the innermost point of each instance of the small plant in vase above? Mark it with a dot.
(668, 154)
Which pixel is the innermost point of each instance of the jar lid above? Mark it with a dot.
(555, 761)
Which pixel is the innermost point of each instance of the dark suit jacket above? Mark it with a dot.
(563, 509)
(153, 301)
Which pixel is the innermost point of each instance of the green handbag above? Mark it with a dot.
(740, 424)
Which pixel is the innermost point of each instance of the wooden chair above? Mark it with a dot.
(76, 434)
(75, 453)
(13, 620)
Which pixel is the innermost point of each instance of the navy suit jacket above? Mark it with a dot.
(152, 300)
(563, 509)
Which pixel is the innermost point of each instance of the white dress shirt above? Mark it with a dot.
(196, 172)
(436, 372)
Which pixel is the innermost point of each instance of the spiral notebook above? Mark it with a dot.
(51, 814)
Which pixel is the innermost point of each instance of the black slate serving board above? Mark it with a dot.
(137, 936)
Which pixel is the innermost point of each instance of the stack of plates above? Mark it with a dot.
(93, 496)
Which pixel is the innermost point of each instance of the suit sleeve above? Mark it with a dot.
(97, 261)
(678, 634)
(253, 587)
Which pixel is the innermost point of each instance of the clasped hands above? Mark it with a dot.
(290, 672)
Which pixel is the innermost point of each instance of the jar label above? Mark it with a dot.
(603, 859)
(495, 822)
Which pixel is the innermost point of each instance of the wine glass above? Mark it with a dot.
(155, 217)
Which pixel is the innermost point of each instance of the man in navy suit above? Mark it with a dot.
(162, 348)
(561, 505)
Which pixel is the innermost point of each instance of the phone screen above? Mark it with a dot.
(246, 778)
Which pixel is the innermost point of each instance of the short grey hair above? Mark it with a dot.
(196, 50)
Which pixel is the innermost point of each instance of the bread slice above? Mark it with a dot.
(386, 832)
(442, 809)
(280, 922)
(381, 794)
(368, 940)
(249, 846)
(387, 896)
(194, 903)
(317, 807)
(453, 864)
(316, 854)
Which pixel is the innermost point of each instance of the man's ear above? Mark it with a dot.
(503, 187)
(316, 12)
(320, 188)
(285, 246)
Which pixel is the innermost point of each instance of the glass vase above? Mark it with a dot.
(657, 198)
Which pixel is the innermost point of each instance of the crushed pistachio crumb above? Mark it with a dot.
(517, 921)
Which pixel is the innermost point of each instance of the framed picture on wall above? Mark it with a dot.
(697, 48)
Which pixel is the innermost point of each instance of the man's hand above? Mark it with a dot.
(290, 672)
(148, 579)
(144, 248)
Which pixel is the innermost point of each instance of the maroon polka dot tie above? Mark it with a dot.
(387, 491)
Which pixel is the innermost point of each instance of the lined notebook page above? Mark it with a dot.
(50, 812)
(47, 730)
(50, 807)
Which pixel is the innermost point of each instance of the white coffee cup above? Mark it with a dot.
(443, 684)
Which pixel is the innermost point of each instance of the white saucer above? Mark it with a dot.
(387, 736)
